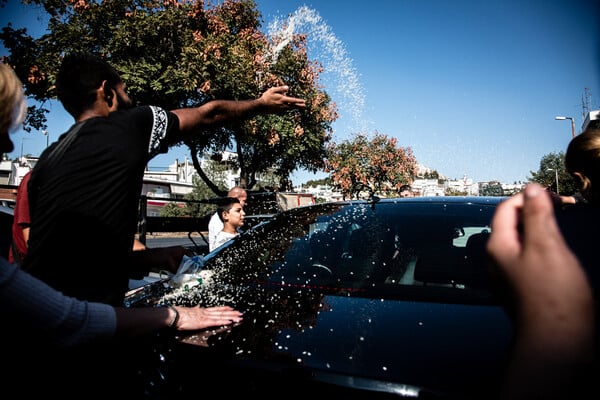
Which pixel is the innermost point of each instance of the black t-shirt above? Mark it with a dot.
(84, 204)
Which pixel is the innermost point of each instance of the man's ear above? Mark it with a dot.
(579, 178)
(109, 94)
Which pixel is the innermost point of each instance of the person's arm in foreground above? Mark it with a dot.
(218, 112)
(136, 321)
(63, 321)
(553, 301)
(32, 305)
(156, 258)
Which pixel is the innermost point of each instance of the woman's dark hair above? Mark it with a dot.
(582, 161)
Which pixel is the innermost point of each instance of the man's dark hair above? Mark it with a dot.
(225, 205)
(404, 188)
(78, 78)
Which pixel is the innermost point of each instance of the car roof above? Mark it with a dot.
(6, 210)
(437, 199)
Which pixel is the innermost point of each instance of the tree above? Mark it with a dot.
(431, 175)
(200, 192)
(179, 53)
(316, 182)
(172, 210)
(491, 189)
(374, 166)
(455, 192)
(546, 175)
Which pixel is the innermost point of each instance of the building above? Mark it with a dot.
(11, 175)
(592, 119)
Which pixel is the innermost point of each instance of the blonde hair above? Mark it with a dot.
(12, 100)
(582, 161)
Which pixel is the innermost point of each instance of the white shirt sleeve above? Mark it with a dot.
(215, 225)
(221, 238)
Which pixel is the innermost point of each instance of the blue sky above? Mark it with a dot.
(471, 86)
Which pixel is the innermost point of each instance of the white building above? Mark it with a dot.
(428, 187)
(592, 118)
(464, 185)
(321, 192)
(12, 172)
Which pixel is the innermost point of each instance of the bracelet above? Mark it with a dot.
(173, 323)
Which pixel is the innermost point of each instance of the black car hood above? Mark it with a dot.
(383, 345)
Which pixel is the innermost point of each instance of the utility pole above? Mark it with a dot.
(586, 102)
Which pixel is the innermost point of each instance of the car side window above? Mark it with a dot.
(362, 247)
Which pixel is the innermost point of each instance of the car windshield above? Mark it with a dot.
(365, 249)
(360, 292)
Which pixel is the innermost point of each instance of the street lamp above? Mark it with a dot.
(561, 118)
(45, 132)
(556, 175)
(23, 139)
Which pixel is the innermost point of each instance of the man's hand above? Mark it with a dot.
(275, 98)
(552, 302)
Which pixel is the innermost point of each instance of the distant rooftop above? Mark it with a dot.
(591, 119)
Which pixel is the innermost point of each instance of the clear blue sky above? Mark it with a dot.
(471, 86)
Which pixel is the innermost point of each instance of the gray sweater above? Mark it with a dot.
(63, 321)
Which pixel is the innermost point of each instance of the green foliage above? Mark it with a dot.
(202, 192)
(546, 174)
(270, 180)
(371, 167)
(173, 210)
(455, 192)
(318, 182)
(513, 190)
(178, 54)
(431, 175)
(491, 189)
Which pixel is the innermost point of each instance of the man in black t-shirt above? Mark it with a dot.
(85, 188)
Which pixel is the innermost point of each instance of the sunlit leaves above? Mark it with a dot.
(546, 175)
(182, 53)
(363, 167)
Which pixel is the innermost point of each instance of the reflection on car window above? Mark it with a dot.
(363, 247)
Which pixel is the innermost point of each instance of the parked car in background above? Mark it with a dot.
(371, 299)
(6, 221)
(8, 203)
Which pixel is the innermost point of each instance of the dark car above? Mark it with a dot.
(6, 220)
(383, 298)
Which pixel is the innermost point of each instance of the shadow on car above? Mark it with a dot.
(386, 298)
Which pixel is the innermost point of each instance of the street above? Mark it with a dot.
(166, 240)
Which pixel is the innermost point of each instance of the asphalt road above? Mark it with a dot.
(175, 240)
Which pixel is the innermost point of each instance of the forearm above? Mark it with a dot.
(554, 349)
(221, 112)
(62, 321)
(140, 320)
(218, 112)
